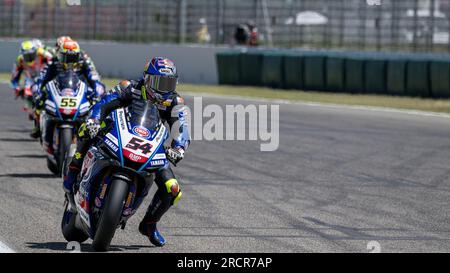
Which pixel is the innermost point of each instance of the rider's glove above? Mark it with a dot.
(37, 100)
(14, 85)
(92, 127)
(175, 155)
(17, 91)
(99, 89)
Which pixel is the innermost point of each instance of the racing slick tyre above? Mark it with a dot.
(52, 166)
(110, 217)
(65, 140)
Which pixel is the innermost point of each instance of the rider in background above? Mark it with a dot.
(31, 60)
(158, 86)
(67, 57)
(59, 42)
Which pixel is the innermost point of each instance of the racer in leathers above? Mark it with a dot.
(59, 42)
(68, 56)
(31, 60)
(157, 85)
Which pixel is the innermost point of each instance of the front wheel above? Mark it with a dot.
(65, 140)
(110, 217)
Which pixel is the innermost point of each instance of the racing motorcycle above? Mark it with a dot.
(26, 94)
(116, 175)
(67, 106)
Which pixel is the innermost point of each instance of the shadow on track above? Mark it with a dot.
(29, 156)
(18, 130)
(58, 246)
(29, 175)
(18, 140)
(62, 246)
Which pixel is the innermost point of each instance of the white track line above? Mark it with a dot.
(5, 249)
(320, 104)
(325, 105)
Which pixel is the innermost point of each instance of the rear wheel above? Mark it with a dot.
(111, 214)
(69, 231)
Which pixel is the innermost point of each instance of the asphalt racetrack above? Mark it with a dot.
(340, 179)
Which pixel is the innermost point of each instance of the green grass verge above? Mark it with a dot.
(431, 105)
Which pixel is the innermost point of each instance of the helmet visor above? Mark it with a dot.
(69, 58)
(161, 84)
(29, 57)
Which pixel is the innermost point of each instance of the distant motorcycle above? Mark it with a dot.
(116, 175)
(26, 94)
(66, 106)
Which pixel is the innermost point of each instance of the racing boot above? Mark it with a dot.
(35, 132)
(155, 211)
(167, 195)
(68, 185)
(149, 229)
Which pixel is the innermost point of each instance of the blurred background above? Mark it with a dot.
(406, 25)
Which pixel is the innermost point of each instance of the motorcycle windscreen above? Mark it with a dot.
(145, 115)
(140, 133)
(68, 82)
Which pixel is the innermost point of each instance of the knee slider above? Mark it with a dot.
(173, 188)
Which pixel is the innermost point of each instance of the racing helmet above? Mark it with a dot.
(38, 43)
(69, 53)
(60, 40)
(29, 52)
(160, 77)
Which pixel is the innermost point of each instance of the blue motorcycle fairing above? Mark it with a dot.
(96, 174)
(156, 134)
(141, 133)
(67, 98)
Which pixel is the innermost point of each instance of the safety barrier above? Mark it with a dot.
(399, 74)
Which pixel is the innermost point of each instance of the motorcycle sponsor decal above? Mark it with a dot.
(112, 138)
(141, 131)
(134, 157)
(98, 202)
(159, 156)
(50, 107)
(68, 92)
(130, 196)
(161, 107)
(127, 212)
(84, 107)
(102, 194)
(87, 162)
(160, 134)
(121, 118)
(68, 111)
(166, 71)
(111, 145)
(167, 102)
(50, 104)
(157, 162)
(82, 207)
